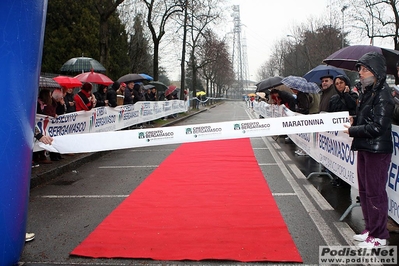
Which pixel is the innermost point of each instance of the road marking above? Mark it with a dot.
(127, 166)
(323, 203)
(284, 194)
(347, 232)
(141, 150)
(267, 164)
(82, 196)
(284, 155)
(260, 148)
(296, 171)
(276, 145)
(314, 214)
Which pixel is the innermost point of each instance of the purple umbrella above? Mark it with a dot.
(347, 57)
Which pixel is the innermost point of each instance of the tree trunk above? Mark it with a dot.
(183, 54)
(156, 63)
(104, 47)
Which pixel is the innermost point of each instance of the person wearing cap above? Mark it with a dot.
(327, 91)
(371, 130)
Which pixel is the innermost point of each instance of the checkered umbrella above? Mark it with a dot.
(49, 83)
(81, 65)
(300, 84)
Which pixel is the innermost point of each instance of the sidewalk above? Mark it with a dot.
(47, 172)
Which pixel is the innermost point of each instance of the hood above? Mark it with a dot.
(376, 63)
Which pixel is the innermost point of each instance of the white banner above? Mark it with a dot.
(104, 119)
(113, 140)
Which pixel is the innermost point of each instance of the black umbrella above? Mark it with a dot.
(159, 85)
(347, 57)
(82, 64)
(149, 86)
(268, 83)
(131, 77)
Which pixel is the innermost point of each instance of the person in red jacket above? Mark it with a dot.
(84, 99)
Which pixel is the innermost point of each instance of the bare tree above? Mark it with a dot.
(373, 19)
(159, 13)
(202, 14)
(217, 66)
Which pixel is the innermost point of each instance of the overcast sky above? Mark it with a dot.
(264, 22)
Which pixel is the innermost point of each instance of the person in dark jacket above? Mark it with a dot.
(70, 103)
(395, 94)
(128, 93)
(137, 93)
(283, 97)
(101, 96)
(111, 94)
(302, 102)
(327, 91)
(371, 131)
(345, 99)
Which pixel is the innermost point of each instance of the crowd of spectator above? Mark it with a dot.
(62, 100)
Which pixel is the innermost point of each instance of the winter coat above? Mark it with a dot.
(128, 96)
(82, 101)
(69, 98)
(111, 96)
(138, 95)
(287, 99)
(343, 102)
(325, 98)
(302, 103)
(314, 103)
(101, 96)
(371, 129)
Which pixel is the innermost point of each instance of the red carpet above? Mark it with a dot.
(207, 200)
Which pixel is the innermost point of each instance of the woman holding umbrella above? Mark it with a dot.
(371, 131)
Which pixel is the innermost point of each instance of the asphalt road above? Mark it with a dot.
(64, 211)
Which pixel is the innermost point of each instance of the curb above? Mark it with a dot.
(41, 178)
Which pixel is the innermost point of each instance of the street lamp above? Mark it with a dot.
(343, 25)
